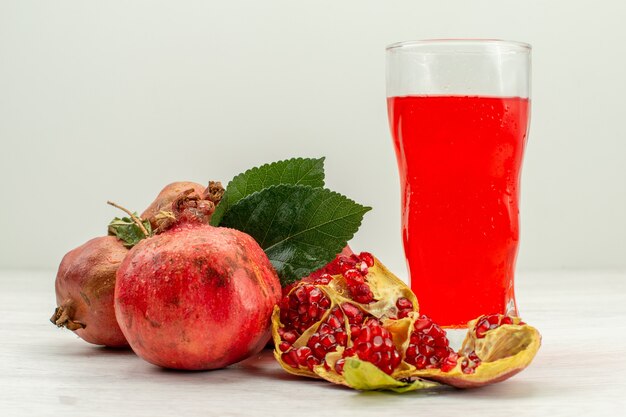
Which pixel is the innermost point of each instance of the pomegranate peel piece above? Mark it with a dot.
(502, 353)
(364, 376)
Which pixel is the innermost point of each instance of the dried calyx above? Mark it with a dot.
(365, 331)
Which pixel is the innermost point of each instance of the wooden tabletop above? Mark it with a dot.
(580, 369)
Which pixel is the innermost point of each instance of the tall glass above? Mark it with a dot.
(459, 113)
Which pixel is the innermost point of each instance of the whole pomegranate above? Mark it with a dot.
(85, 285)
(164, 200)
(195, 296)
(361, 327)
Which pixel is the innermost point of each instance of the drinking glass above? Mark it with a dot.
(459, 114)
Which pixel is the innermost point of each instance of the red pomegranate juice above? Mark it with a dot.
(459, 160)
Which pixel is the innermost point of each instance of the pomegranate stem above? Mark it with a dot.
(136, 219)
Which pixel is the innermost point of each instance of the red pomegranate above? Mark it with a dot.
(85, 285)
(196, 297)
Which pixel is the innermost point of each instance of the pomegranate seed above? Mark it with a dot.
(411, 352)
(428, 340)
(355, 316)
(341, 338)
(289, 337)
(395, 358)
(324, 329)
(420, 362)
(315, 338)
(363, 350)
(464, 366)
(389, 343)
(442, 352)
(311, 362)
(301, 294)
(349, 352)
(367, 258)
(470, 363)
(486, 323)
(403, 313)
(436, 331)
(333, 321)
(353, 277)
(442, 342)
(364, 335)
(364, 298)
(354, 331)
(324, 279)
(473, 357)
(290, 358)
(302, 308)
(376, 330)
(328, 341)
(376, 358)
(377, 341)
(362, 268)
(313, 310)
(302, 353)
(319, 351)
(481, 331)
(315, 295)
(345, 264)
(404, 303)
(284, 346)
(324, 303)
(426, 350)
(422, 323)
(450, 362)
(339, 365)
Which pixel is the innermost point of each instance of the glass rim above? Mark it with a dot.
(513, 46)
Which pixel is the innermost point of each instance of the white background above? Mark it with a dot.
(112, 100)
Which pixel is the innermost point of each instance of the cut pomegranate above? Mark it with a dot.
(326, 326)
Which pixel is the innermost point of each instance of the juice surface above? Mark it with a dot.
(459, 159)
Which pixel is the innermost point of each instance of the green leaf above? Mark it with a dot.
(128, 231)
(301, 228)
(365, 376)
(302, 171)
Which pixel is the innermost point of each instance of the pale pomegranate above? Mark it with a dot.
(195, 296)
(84, 286)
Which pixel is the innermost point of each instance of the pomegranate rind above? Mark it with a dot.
(364, 376)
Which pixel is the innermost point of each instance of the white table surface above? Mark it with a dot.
(580, 369)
